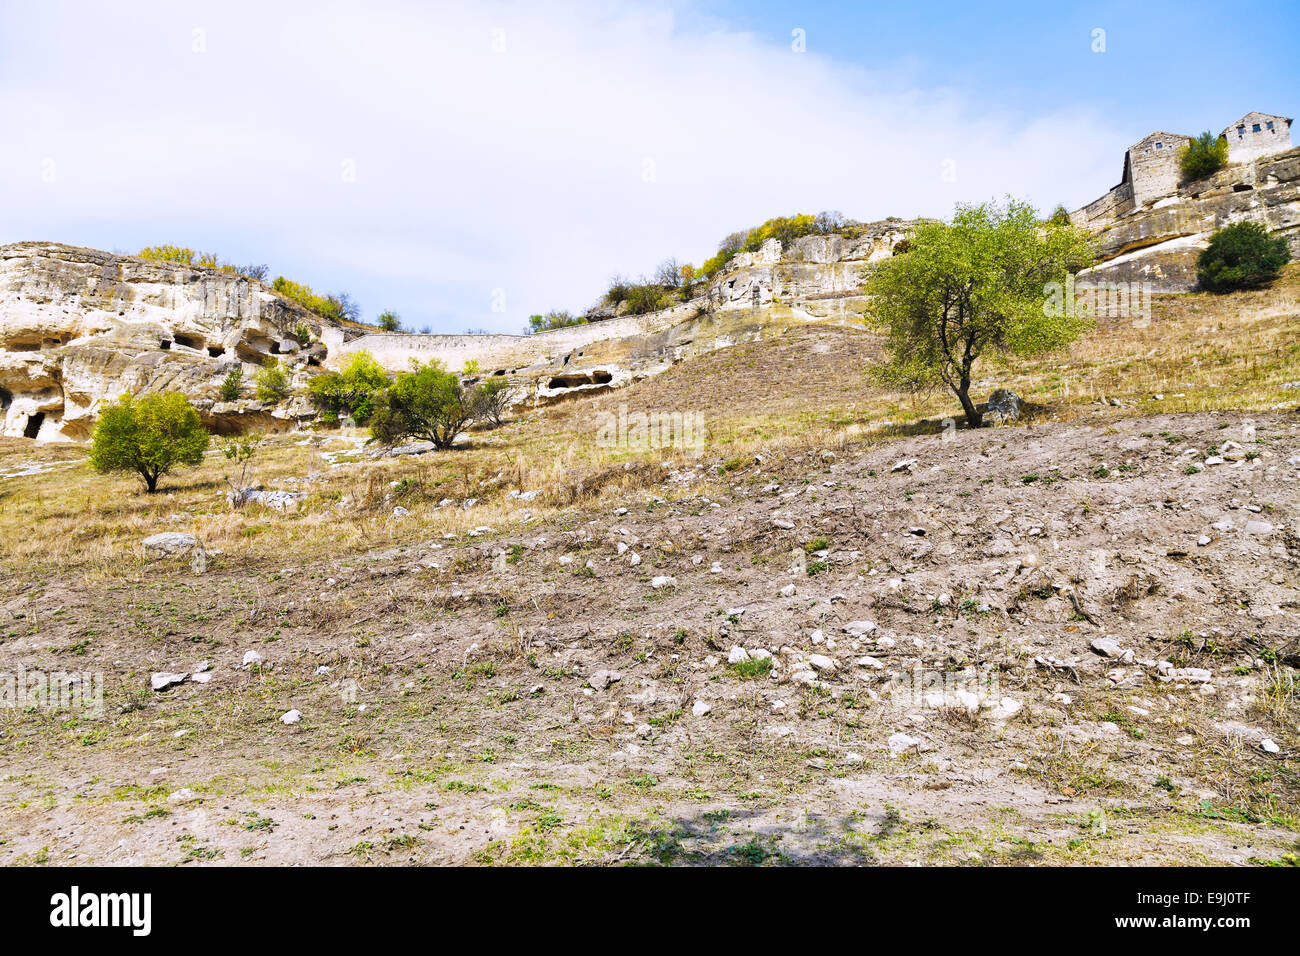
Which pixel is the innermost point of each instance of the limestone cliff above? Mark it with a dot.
(1160, 243)
(79, 326)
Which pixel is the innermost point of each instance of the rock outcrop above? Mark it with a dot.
(79, 327)
(1160, 243)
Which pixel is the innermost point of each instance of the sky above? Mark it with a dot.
(470, 164)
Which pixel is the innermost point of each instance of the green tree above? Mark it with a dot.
(149, 436)
(271, 381)
(976, 286)
(350, 392)
(489, 401)
(389, 321)
(427, 402)
(1241, 256)
(232, 384)
(1202, 156)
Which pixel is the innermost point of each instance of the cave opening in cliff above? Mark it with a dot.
(578, 378)
(34, 423)
(216, 351)
(189, 341)
(165, 345)
(6, 399)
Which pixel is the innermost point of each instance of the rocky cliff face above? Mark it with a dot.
(79, 327)
(1160, 243)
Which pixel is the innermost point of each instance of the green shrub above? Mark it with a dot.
(232, 384)
(1202, 156)
(426, 402)
(554, 319)
(149, 436)
(389, 321)
(489, 401)
(271, 381)
(1241, 256)
(350, 392)
(337, 306)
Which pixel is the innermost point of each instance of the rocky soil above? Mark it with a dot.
(1048, 643)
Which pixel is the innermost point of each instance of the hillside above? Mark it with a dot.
(490, 667)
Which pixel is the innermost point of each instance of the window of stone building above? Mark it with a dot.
(1269, 124)
(1241, 131)
(1160, 145)
(1255, 128)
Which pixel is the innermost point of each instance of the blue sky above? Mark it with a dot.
(470, 163)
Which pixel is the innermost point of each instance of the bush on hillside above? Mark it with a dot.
(232, 384)
(1202, 156)
(271, 381)
(1241, 256)
(351, 392)
(427, 402)
(149, 436)
(208, 260)
(554, 319)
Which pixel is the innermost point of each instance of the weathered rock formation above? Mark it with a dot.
(1160, 242)
(79, 327)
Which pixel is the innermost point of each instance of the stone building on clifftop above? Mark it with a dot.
(1151, 167)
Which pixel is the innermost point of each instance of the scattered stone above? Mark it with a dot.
(901, 742)
(251, 658)
(782, 523)
(906, 464)
(870, 662)
(290, 717)
(821, 662)
(788, 591)
(738, 655)
(1268, 746)
(700, 708)
(164, 679)
(169, 542)
(1258, 527)
(663, 581)
(603, 678)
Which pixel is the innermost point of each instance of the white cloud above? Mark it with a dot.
(524, 169)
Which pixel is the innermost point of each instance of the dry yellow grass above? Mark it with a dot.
(804, 389)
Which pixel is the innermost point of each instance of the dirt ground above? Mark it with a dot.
(877, 651)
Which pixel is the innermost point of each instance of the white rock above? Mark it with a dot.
(900, 742)
(821, 662)
(603, 678)
(169, 542)
(663, 581)
(870, 662)
(700, 708)
(1005, 708)
(290, 717)
(1268, 746)
(817, 637)
(737, 655)
(906, 464)
(634, 559)
(252, 657)
(165, 679)
(788, 591)
(860, 628)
